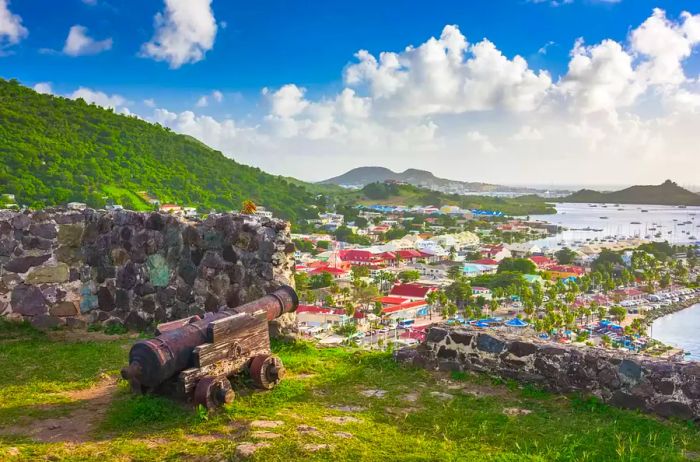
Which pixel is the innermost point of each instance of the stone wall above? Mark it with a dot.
(71, 268)
(625, 380)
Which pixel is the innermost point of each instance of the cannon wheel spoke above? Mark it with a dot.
(266, 371)
(213, 392)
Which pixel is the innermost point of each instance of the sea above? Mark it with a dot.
(592, 223)
(585, 224)
(680, 330)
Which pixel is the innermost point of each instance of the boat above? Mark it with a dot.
(644, 211)
(603, 218)
(635, 223)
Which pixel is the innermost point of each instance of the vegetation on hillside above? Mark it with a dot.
(322, 410)
(408, 195)
(667, 193)
(56, 150)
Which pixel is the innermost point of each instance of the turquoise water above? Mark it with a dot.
(681, 329)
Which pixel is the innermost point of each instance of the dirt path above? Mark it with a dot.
(79, 424)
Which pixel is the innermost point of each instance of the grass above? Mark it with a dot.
(116, 192)
(470, 426)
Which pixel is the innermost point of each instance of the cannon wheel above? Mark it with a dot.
(213, 392)
(266, 371)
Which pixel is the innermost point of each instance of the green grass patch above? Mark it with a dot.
(320, 382)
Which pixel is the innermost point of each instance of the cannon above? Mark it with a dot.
(193, 358)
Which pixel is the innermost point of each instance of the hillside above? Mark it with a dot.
(408, 195)
(65, 402)
(363, 176)
(667, 193)
(56, 150)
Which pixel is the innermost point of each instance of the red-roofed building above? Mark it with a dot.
(337, 273)
(631, 293)
(497, 252)
(486, 261)
(542, 262)
(390, 301)
(409, 310)
(565, 271)
(358, 257)
(411, 291)
(411, 255)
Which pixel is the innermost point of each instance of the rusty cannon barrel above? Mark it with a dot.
(153, 361)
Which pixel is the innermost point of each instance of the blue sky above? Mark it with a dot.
(246, 47)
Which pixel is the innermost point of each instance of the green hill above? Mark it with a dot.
(667, 193)
(408, 195)
(56, 150)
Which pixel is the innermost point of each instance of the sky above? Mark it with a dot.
(545, 92)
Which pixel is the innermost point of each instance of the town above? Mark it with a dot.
(383, 275)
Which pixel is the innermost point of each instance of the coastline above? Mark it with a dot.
(653, 315)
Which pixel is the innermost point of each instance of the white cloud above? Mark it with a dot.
(600, 78)
(466, 111)
(185, 31)
(528, 133)
(150, 102)
(203, 101)
(665, 45)
(79, 43)
(215, 95)
(116, 102)
(44, 88)
(448, 75)
(11, 29)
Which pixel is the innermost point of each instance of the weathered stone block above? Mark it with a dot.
(490, 344)
(436, 334)
(70, 235)
(63, 309)
(158, 270)
(521, 349)
(28, 300)
(53, 274)
(23, 264)
(44, 230)
(44, 321)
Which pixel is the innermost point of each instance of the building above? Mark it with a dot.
(171, 208)
(521, 250)
(410, 291)
(408, 310)
(557, 272)
(262, 212)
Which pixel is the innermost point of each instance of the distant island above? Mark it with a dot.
(362, 176)
(667, 193)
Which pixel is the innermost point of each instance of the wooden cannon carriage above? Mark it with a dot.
(193, 358)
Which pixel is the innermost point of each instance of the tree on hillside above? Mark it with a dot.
(565, 256)
(517, 265)
(249, 207)
(409, 276)
(606, 260)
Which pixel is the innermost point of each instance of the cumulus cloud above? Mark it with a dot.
(215, 95)
(79, 43)
(185, 31)
(448, 75)
(11, 29)
(44, 88)
(468, 111)
(116, 102)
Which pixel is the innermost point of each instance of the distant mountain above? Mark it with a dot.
(363, 176)
(667, 193)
